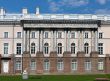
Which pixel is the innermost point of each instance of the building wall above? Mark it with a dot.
(52, 56)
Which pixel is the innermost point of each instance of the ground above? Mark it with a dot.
(55, 77)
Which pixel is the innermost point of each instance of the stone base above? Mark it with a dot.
(66, 59)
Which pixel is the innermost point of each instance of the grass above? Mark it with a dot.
(55, 77)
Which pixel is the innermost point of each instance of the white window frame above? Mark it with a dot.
(100, 48)
(46, 35)
(46, 48)
(59, 48)
(33, 48)
(6, 48)
(88, 65)
(33, 34)
(100, 35)
(46, 65)
(18, 34)
(18, 65)
(18, 48)
(5, 34)
(60, 65)
(86, 48)
(100, 65)
(86, 35)
(73, 35)
(59, 35)
(74, 65)
(33, 65)
(73, 48)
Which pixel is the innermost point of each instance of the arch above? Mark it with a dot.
(73, 48)
(46, 48)
(59, 49)
(32, 48)
(86, 48)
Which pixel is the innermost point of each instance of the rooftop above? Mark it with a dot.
(4, 16)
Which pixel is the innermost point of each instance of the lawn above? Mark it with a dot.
(54, 78)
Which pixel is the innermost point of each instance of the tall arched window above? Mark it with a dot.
(46, 48)
(32, 48)
(86, 48)
(60, 65)
(73, 48)
(46, 65)
(59, 50)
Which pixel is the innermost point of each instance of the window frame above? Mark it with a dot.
(6, 34)
(18, 65)
(19, 35)
(46, 65)
(33, 48)
(6, 48)
(18, 48)
(59, 48)
(33, 65)
(60, 65)
(46, 48)
(74, 65)
(100, 48)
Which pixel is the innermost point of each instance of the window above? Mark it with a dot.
(5, 48)
(46, 65)
(100, 65)
(32, 48)
(86, 35)
(87, 65)
(18, 34)
(33, 35)
(33, 65)
(18, 48)
(86, 48)
(5, 34)
(18, 65)
(59, 49)
(100, 48)
(46, 35)
(72, 34)
(59, 34)
(73, 48)
(100, 35)
(46, 48)
(60, 65)
(74, 65)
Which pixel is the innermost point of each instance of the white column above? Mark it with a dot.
(55, 41)
(28, 40)
(24, 40)
(82, 40)
(52, 41)
(41, 41)
(38, 39)
(92, 40)
(65, 41)
(79, 41)
(68, 41)
(96, 41)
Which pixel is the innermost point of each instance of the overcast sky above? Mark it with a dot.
(58, 6)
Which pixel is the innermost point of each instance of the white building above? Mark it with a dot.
(53, 43)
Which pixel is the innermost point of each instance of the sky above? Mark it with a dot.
(58, 6)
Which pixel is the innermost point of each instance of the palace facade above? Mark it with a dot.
(54, 43)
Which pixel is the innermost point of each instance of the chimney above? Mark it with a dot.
(2, 11)
(37, 10)
(24, 11)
